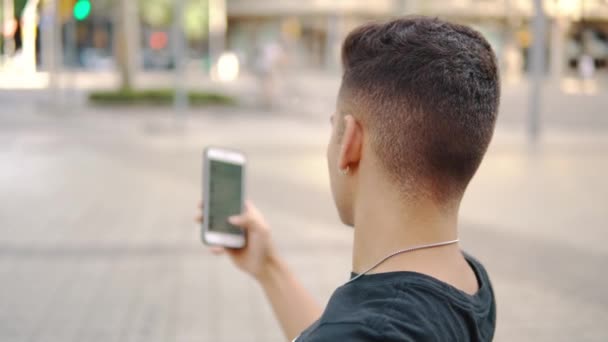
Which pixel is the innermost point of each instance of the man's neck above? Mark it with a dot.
(385, 224)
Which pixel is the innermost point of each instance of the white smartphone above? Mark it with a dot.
(223, 193)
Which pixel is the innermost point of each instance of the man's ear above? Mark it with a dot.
(351, 145)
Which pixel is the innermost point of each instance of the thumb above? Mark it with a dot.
(242, 220)
(217, 250)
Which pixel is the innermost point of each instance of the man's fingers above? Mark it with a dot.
(245, 222)
(217, 250)
(239, 220)
(250, 208)
(248, 205)
(199, 218)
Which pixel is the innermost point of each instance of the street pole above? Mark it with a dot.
(30, 21)
(127, 41)
(333, 41)
(217, 30)
(181, 97)
(9, 16)
(537, 66)
(50, 43)
(558, 36)
(2, 55)
(71, 57)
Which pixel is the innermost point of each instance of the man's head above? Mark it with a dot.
(419, 98)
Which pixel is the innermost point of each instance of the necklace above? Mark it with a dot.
(410, 249)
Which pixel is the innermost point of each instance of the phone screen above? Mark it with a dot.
(225, 195)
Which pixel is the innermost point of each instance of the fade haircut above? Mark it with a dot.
(427, 91)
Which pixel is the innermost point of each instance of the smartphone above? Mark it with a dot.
(223, 193)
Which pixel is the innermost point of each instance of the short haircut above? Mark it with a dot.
(428, 93)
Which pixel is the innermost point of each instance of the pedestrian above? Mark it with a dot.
(586, 69)
(268, 57)
(415, 114)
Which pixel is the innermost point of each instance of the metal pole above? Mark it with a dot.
(332, 41)
(217, 29)
(70, 42)
(51, 44)
(181, 98)
(583, 29)
(9, 16)
(127, 41)
(29, 20)
(71, 57)
(2, 53)
(537, 66)
(558, 35)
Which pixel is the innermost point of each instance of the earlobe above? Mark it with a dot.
(352, 138)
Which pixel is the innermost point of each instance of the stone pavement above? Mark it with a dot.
(98, 243)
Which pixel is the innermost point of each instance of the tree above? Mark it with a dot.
(127, 21)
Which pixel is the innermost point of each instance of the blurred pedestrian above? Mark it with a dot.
(586, 69)
(415, 114)
(18, 35)
(268, 56)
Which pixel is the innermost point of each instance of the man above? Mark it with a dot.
(415, 114)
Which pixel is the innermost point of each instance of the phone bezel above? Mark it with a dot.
(228, 156)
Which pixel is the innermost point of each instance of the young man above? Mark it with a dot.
(415, 114)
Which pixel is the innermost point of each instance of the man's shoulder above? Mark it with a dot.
(367, 302)
(369, 323)
(337, 331)
(406, 306)
(380, 293)
(366, 312)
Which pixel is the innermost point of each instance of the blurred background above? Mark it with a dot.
(105, 106)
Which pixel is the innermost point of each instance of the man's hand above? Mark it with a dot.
(293, 305)
(258, 256)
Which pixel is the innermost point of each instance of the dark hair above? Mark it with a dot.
(428, 92)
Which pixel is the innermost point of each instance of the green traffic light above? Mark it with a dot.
(82, 9)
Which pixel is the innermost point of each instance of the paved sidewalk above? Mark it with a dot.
(97, 241)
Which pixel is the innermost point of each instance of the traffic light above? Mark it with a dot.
(82, 9)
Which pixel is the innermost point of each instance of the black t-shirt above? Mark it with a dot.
(406, 306)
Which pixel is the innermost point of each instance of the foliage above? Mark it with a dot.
(157, 97)
(19, 6)
(159, 14)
